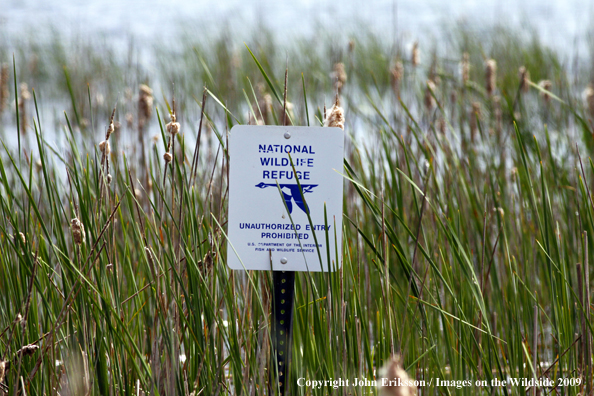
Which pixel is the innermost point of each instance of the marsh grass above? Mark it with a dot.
(460, 250)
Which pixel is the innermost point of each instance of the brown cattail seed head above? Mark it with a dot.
(78, 231)
(546, 85)
(465, 67)
(490, 76)
(390, 385)
(415, 57)
(589, 98)
(339, 76)
(145, 103)
(397, 72)
(351, 46)
(172, 127)
(129, 120)
(105, 148)
(524, 78)
(335, 117)
(268, 100)
(24, 97)
(3, 86)
(25, 94)
(167, 157)
(110, 130)
(27, 350)
(145, 90)
(429, 99)
(207, 261)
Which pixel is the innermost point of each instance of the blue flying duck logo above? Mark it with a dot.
(291, 193)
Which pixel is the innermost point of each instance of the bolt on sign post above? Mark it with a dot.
(285, 213)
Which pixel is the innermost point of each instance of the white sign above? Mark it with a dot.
(278, 174)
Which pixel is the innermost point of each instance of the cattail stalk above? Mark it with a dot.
(105, 149)
(104, 146)
(172, 128)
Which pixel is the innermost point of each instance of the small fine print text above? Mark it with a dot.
(438, 382)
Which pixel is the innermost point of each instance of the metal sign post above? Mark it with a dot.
(284, 186)
(282, 326)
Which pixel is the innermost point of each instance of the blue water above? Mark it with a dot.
(561, 24)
